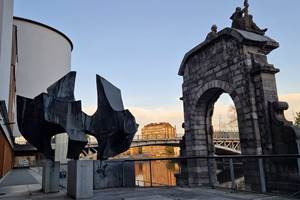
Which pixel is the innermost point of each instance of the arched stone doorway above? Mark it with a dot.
(205, 110)
(232, 62)
(199, 129)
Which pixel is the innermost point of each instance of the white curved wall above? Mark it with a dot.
(44, 56)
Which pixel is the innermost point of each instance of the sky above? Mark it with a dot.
(138, 46)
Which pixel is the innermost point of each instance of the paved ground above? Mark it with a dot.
(19, 177)
(31, 190)
(177, 194)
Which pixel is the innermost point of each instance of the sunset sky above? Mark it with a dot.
(138, 45)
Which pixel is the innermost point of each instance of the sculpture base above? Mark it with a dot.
(50, 181)
(80, 179)
(108, 174)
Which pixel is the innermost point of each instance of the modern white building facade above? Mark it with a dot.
(44, 56)
(32, 57)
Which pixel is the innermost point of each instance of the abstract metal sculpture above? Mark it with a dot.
(56, 111)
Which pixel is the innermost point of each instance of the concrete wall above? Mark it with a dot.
(44, 56)
(110, 174)
(6, 20)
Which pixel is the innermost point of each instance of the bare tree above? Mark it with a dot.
(232, 117)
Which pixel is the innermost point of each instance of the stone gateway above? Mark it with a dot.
(235, 62)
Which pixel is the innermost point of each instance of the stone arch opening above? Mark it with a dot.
(225, 131)
(205, 109)
(91, 150)
(216, 141)
(199, 130)
(224, 116)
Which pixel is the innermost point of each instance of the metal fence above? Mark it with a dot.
(221, 134)
(157, 172)
(230, 170)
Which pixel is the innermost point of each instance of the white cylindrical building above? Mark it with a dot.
(44, 56)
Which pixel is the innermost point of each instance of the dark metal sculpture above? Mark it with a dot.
(56, 111)
(243, 21)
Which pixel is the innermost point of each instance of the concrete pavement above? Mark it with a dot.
(19, 182)
(30, 189)
(20, 177)
(144, 194)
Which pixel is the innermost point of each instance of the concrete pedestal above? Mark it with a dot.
(108, 174)
(50, 181)
(80, 179)
(61, 147)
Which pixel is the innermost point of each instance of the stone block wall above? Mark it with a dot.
(221, 67)
(239, 67)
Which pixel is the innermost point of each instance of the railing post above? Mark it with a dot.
(298, 144)
(262, 176)
(123, 177)
(232, 176)
(150, 173)
(210, 176)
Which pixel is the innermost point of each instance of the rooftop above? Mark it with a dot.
(47, 27)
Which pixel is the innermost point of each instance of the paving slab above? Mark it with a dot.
(178, 194)
(31, 190)
(34, 193)
(19, 177)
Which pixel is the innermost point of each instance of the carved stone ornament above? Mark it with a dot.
(243, 21)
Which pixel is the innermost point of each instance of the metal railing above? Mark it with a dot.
(228, 143)
(226, 134)
(232, 165)
(229, 170)
(218, 135)
(156, 137)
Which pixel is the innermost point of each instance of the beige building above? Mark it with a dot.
(154, 131)
(32, 57)
(161, 130)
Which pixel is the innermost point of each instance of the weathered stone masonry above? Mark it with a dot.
(233, 62)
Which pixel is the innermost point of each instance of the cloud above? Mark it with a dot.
(174, 114)
(221, 110)
(90, 110)
(146, 116)
(293, 99)
(224, 117)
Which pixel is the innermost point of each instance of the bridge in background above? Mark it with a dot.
(226, 143)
